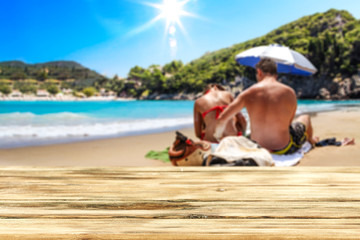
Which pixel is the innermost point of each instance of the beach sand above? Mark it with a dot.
(340, 125)
(130, 151)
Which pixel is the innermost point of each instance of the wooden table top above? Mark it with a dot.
(179, 203)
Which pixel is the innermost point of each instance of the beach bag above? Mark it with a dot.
(239, 151)
(186, 152)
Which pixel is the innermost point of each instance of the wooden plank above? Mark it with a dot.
(179, 203)
(182, 228)
(163, 209)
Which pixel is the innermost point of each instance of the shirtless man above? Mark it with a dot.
(207, 109)
(271, 106)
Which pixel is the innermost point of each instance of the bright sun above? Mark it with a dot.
(171, 11)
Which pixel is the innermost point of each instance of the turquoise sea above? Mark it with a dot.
(28, 123)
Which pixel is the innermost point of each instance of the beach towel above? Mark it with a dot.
(291, 159)
(328, 142)
(159, 155)
(240, 151)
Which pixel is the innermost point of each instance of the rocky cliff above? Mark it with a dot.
(325, 88)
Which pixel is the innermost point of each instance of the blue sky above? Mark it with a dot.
(112, 36)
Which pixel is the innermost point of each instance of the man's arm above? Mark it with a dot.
(234, 108)
(198, 121)
(294, 101)
(241, 122)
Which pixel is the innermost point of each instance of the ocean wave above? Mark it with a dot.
(24, 135)
(312, 106)
(302, 109)
(28, 118)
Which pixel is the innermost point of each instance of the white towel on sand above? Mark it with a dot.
(231, 153)
(291, 159)
(235, 148)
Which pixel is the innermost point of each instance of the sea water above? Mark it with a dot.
(29, 123)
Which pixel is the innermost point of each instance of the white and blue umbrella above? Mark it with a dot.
(288, 61)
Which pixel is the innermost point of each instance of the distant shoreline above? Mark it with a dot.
(98, 98)
(64, 98)
(110, 98)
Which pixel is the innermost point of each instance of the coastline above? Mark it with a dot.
(131, 150)
(63, 98)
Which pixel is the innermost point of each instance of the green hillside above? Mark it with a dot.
(330, 40)
(60, 70)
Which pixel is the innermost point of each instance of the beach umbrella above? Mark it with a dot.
(288, 60)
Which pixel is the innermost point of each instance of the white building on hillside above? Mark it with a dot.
(15, 94)
(42, 93)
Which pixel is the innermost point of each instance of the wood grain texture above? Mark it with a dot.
(179, 203)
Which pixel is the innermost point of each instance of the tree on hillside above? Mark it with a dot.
(172, 67)
(5, 89)
(25, 87)
(41, 75)
(69, 83)
(101, 82)
(89, 91)
(136, 72)
(53, 89)
(64, 75)
(115, 84)
(157, 81)
(17, 76)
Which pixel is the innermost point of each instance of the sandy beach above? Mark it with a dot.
(130, 151)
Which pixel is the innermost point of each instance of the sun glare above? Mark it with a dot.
(171, 11)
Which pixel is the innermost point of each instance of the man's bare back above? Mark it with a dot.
(271, 107)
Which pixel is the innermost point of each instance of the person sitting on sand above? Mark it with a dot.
(207, 109)
(271, 106)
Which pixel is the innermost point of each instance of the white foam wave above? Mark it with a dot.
(27, 118)
(320, 107)
(22, 135)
